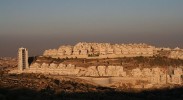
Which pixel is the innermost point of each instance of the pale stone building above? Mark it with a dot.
(178, 71)
(102, 70)
(22, 59)
(176, 79)
(146, 72)
(136, 72)
(176, 53)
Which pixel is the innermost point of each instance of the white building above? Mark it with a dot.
(22, 59)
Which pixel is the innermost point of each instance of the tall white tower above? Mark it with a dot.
(22, 59)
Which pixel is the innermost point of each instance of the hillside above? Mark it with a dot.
(39, 87)
(126, 62)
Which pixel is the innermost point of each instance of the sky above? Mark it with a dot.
(45, 24)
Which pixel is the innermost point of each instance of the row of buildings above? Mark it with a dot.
(154, 75)
(107, 50)
(84, 50)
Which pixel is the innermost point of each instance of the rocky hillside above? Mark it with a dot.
(39, 87)
(8, 62)
(40, 82)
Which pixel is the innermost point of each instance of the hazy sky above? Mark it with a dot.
(43, 24)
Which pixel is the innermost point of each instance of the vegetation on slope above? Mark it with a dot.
(39, 87)
(127, 62)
